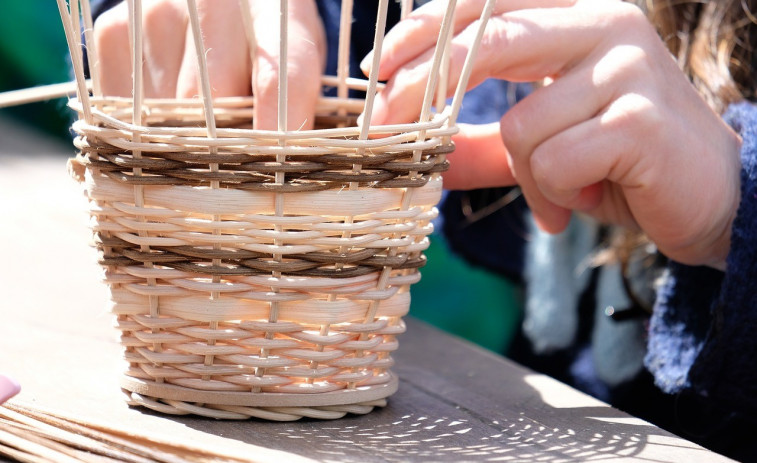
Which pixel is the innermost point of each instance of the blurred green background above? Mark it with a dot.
(452, 295)
(33, 52)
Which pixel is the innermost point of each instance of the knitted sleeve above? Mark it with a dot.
(703, 334)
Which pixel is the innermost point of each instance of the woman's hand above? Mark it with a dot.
(618, 133)
(8, 388)
(170, 63)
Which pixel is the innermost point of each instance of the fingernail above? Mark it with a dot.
(553, 221)
(8, 388)
(365, 65)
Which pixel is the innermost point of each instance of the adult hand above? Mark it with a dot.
(8, 388)
(170, 63)
(619, 133)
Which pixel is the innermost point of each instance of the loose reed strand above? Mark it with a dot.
(343, 57)
(378, 40)
(89, 28)
(442, 87)
(283, 54)
(86, 441)
(76, 58)
(252, 45)
(428, 96)
(436, 61)
(203, 76)
(406, 8)
(40, 93)
(470, 58)
(135, 23)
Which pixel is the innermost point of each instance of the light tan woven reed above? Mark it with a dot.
(256, 273)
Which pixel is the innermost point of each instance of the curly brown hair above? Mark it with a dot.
(714, 43)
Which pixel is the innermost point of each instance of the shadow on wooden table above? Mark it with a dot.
(457, 437)
(480, 409)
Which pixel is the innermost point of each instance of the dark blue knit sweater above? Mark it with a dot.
(703, 334)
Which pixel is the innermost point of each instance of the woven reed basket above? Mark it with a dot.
(257, 273)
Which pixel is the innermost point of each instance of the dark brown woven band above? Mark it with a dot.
(352, 263)
(257, 172)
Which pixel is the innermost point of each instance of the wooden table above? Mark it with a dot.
(456, 402)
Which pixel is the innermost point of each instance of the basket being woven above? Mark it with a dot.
(217, 295)
(256, 273)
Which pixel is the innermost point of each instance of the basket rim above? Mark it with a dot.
(438, 125)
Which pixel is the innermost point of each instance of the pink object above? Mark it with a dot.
(8, 388)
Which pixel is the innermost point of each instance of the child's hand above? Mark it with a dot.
(170, 63)
(619, 133)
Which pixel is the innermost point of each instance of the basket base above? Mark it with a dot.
(177, 400)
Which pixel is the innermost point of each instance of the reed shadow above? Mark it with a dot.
(458, 403)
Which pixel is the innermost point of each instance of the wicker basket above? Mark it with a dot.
(256, 273)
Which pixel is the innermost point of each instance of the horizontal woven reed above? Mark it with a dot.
(230, 308)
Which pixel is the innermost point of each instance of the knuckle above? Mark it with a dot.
(627, 63)
(627, 15)
(159, 13)
(112, 27)
(540, 167)
(628, 20)
(635, 113)
(266, 77)
(630, 115)
(544, 172)
(512, 128)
